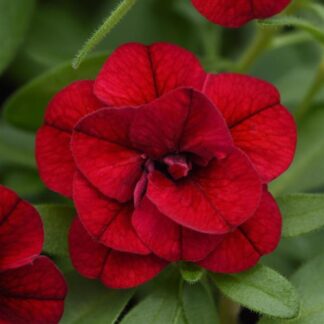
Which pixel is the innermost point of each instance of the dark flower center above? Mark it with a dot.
(173, 166)
(178, 166)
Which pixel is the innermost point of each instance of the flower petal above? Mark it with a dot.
(183, 120)
(21, 231)
(243, 248)
(102, 152)
(53, 154)
(115, 269)
(260, 126)
(214, 199)
(169, 240)
(235, 13)
(106, 220)
(136, 74)
(33, 293)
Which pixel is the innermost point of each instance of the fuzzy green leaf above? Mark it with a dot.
(309, 282)
(198, 304)
(260, 289)
(302, 213)
(161, 306)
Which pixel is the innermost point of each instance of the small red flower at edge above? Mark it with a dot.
(165, 162)
(32, 289)
(235, 13)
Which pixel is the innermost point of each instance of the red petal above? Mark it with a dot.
(115, 269)
(108, 221)
(21, 231)
(54, 159)
(260, 126)
(53, 154)
(235, 13)
(136, 74)
(169, 240)
(33, 293)
(243, 248)
(214, 199)
(103, 153)
(183, 120)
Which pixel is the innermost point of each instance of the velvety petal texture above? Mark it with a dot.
(21, 231)
(33, 293)
(115, 269)
(53, 155)
(261, 127)
(235, 13)
(243, 248)
(169, 240)
(32, 289)
(107, 221)
(214, 200)
(136, 74)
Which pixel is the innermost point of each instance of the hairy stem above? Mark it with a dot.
(113, 19)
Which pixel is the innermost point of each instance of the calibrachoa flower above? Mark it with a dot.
(32, 290)
(165, 162)
(235, 13)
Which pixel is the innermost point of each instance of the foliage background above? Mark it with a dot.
(38, 37)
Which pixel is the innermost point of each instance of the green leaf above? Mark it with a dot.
(302, 213)
(291, 21)
(14, 20)
(307, 171)
(57, 220)
(199, 305)
(260, 289)
(16, 147)
(89, 301)
(309, 282)
(161, 306)
(25, 109)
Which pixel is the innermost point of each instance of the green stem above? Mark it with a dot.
(103, 30)
(313, 90)
(262, 40)
(260, 43)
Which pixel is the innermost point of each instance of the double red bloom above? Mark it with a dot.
(32, 290)
(165, 162)
(235, 13)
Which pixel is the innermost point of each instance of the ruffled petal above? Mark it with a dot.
(136, 74)
(169, 240)
(260, 126)
(243, 248)
(184, 120)
(214, 199)
(21, 231)
(33, 293)
(54, 159)
(102, 151)
(106, 220)
(235, 13)
(115, 269)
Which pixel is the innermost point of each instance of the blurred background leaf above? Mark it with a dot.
(14, 21)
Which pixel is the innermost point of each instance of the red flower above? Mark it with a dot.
(235, 13)
(32, 290)
(165, 162)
